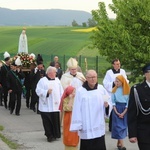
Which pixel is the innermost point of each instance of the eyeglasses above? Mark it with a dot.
(94, 77)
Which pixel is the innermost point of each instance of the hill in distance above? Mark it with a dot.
(42, 17)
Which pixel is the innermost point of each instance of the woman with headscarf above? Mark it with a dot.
(70, 139)
(120, 97)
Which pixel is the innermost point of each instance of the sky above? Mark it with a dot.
(85, 5)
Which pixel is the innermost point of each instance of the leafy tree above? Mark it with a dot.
(84, 24)
(91, 22)
(127, 37)
(74, 23)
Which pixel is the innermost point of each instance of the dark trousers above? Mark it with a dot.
(144, 146)
(93, 144)
(28, 95)
(15, 102)
(1, 96)
(5, 92)
(34, 100)
(110, 121)
(51, 124)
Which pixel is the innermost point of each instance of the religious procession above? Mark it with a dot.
(76, 101)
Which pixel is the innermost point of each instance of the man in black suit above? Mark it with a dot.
(14, 86)
(139, 112)
(59, 70)
(56, 59)
(36, 74)
(27, 84)
(1, 90)
(4, 70)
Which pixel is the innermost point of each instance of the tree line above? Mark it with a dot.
(90, 23)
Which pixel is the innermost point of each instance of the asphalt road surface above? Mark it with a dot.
(28, 132)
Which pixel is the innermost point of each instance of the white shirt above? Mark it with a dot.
(148, 83)
(52, 102)
(88, 115)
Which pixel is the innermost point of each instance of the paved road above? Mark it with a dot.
(27, 130)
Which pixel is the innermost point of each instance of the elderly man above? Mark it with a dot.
(49, 90)
(90, 107)
(72, 77)
(139, 112)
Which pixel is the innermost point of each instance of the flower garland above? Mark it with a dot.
(26, 59)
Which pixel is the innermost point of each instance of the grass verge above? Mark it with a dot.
(11, 144)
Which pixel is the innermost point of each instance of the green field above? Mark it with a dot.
(45, 40)
(50, 41)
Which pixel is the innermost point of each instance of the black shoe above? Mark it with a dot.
(34, 109)
(121, 148)
(1, 104)
(17, 114)
(38, 112)
(11, 111)
(6, 106)
(50, 139)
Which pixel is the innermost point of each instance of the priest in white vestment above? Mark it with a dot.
(23, 43)
(72, 77)
(89, 111)
(49, 90)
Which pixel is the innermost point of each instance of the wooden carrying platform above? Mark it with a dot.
(26, 69)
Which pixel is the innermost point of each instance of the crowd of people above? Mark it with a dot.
(78, 103)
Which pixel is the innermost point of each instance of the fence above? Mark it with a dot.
(97, 63)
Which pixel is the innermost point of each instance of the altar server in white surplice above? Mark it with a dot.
(91, 105)
(49, 90)
(109, 80)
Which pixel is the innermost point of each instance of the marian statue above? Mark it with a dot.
(23, 43)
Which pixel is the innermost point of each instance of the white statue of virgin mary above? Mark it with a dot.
(23, 43)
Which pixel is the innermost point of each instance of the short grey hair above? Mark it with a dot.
(50, 69)
(89, 71)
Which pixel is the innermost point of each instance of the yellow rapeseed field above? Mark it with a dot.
(85, 30)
